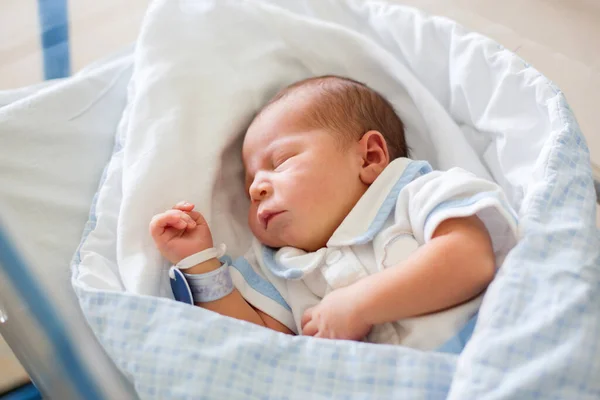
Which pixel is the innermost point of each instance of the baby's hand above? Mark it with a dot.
(336, 317)
(180, 232)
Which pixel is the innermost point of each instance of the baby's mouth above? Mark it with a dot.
(265, 217)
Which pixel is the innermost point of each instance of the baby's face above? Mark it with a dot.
(301, 183)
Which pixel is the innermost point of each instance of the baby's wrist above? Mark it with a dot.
(361, 307)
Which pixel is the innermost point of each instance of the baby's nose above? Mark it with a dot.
(260, 191)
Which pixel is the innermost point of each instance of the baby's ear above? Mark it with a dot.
(375, 157)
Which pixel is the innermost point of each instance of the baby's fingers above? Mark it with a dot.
(170, 219)
(306, 317)
(188, 208)
(189, 221)
(183, 206)
(196, 216)
(310, 329)
(180, 220)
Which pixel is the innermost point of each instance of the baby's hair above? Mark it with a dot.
(350, 108)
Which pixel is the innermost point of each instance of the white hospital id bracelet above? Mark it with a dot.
(211, 286)
(179, 286)
(200, 257)
(201, 288)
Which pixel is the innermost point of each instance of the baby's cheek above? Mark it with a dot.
(257, 230)
(252, 221)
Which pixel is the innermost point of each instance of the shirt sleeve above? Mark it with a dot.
(437, 196)
(256, 289)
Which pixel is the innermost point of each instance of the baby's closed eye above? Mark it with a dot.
(282, 159)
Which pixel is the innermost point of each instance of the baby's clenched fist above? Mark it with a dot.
(180, 232)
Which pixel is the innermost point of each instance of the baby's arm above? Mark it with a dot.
(234, 305)
(456, 265)
(181, 232)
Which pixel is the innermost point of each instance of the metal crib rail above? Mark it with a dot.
(50, 337)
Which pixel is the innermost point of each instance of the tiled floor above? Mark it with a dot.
(561, 38)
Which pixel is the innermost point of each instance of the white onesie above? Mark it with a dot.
(398, 213)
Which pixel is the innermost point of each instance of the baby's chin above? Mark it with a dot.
(287, 238)
(268, 240)
(276, 241)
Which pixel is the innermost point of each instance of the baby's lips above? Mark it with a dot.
(264, 217)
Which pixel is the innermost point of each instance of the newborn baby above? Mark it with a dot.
(353, 239)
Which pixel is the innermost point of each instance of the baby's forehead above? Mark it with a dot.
(285, 116)
(300, 109)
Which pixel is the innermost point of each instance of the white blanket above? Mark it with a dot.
(203, 67)
(196, 88)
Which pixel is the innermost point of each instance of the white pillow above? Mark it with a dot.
(55, 139)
